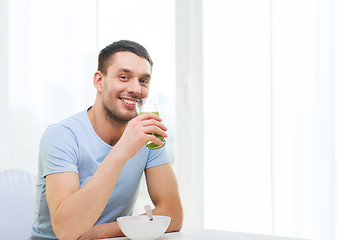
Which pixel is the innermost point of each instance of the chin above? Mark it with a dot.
(127, 117)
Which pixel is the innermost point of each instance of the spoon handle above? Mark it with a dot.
(148, 211)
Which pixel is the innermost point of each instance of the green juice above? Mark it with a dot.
(151, 145)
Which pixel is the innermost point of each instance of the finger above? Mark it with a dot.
(154, 139)
(155, 129)
(153, 122)
(149, 115)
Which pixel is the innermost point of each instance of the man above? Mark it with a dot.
(90, 164)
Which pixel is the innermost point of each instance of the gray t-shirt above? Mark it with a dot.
(72, 145)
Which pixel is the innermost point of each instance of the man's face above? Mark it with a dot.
(126, 81)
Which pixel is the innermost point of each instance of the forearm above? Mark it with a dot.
(106, 230)
(163, 190)
(79, 211)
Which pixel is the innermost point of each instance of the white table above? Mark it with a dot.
(205, 234)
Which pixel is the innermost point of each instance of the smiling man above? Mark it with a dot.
(90, 164)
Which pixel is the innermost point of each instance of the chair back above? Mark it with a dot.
(17, 204)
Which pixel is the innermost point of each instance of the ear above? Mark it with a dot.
(98, 78)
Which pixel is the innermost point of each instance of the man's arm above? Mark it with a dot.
(105, 230)
(163, 190)
(74, 210)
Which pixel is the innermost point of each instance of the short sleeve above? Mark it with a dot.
(58, 150)
(157, 157)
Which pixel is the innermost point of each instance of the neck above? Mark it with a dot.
(109, 129)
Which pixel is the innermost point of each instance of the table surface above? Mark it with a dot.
(205, 234)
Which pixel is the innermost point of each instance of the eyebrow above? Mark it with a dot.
(126, 70)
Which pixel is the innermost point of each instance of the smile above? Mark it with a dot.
(128, 101)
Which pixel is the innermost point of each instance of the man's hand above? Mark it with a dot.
(139, 131)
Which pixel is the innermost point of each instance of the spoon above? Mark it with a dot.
(148, 211)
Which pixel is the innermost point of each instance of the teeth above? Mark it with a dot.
(129, 101)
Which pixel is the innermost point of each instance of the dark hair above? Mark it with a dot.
(120, 46)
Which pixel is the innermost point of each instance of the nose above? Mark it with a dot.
(134, 87)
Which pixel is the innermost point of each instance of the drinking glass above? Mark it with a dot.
(149, 105)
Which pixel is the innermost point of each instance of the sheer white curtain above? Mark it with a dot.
(303, 112)
(51, 59)
(270, 155)
(237, 115)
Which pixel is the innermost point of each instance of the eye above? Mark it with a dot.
(144, 81)
(124, 78)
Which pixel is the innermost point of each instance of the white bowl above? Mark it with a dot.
(141, 228)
